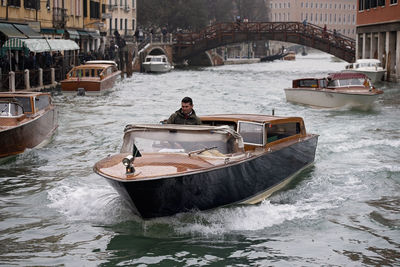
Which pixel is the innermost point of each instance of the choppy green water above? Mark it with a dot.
(343, 211)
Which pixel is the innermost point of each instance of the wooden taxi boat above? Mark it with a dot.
(230, 159)
(91, 79)
(27, 120)
(337, 90)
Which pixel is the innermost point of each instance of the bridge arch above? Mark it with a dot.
(188, 45)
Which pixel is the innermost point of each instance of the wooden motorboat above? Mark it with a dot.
(27, 120)
(370, 67)
(156, 63)
(230, 159)
(337, 90)
(91, 79)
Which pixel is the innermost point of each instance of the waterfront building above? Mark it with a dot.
(339, 15)
(378, 34)
(121, 16)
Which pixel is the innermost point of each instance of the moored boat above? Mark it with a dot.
(27, 120)
(370, 67)
(230, 159)
(91, 79)
(156, 63)
(337, 90)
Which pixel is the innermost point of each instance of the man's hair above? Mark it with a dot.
(187, 99)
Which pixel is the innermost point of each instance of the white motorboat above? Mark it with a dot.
(350, 89)
(370, 67)
(156, 63)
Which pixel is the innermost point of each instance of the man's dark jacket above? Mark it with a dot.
(179, 118)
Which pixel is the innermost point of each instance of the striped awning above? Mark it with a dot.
(40, 45)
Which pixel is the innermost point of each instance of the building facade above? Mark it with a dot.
(378, 34)
(90, 23)
(339, 15)
(121, 16)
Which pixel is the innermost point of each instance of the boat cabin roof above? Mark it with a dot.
(92, 66)
(347, 75)
(101, 62)
(249, 117)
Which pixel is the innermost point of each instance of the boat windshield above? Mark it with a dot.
(10, 109)
(347, 82)
(180, 140)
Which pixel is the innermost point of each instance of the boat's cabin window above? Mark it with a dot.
(156, 59)
(148, 59)
(173, 141)
(279, 131)
(379, 65)
(10, 109)
(26, 103)
(333, 83)
(308, 83)
(164, 60)
(42, 102)
(352, 82)
(322, 83)
(251, 132)
(357, 66)
(349, 66)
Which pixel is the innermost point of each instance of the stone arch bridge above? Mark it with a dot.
(185, 46)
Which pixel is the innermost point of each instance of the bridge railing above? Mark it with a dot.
(220, 30)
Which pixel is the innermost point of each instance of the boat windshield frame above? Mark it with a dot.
(7, 111)
(172, 138)
(240, 125)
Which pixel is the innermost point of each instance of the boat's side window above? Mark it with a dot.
(322, 83)
(10, 110)
(251, 132)
(279, 131)
(26, 103)
(333, 83)
(42, 102)
(308, 83)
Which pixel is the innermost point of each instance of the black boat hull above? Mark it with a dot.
(248, 180)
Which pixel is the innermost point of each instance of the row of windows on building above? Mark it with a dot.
(368, 4)
(123, 24)
(121, 3)
(317, 5)
(322, 18)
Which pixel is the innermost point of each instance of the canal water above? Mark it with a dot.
(342, 211)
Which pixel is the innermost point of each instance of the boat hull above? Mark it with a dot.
(91, 87)
(36, 131)
(248, 181)
(151, 67)
(329, 99)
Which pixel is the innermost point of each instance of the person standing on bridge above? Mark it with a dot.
(185, 115)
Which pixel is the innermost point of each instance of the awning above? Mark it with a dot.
(39, 45)
(62, 45)
(28, 31)
(73, 34)
(34, 45)
(83, 34)
(94, 34)
(10, 31)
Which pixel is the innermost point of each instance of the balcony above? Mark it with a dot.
(60, 17)
(127, 8)
(112, 7)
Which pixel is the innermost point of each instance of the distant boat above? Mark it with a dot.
(230, 159)
(156, 64)
(92, 78)
(290, 56)
(273, 57)
(337, 90)
(27, 120)
(370, 67)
